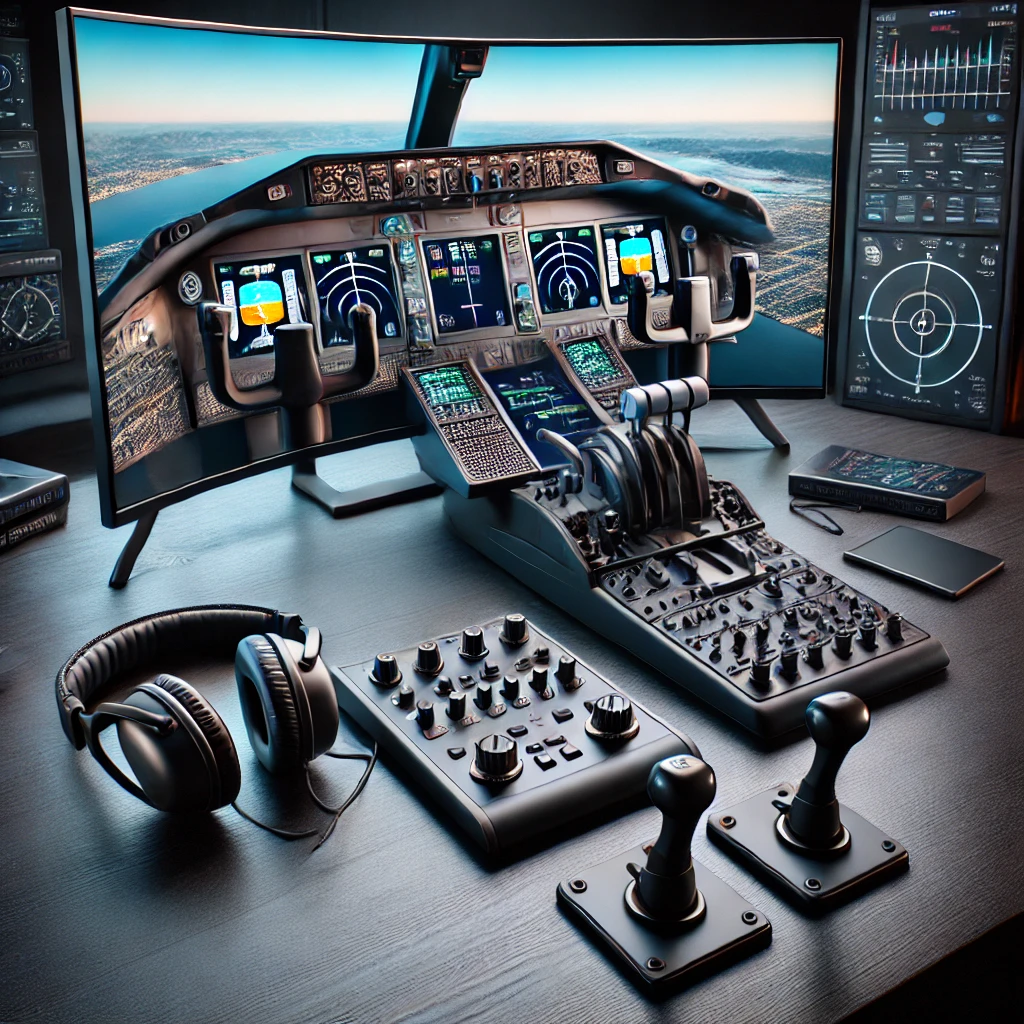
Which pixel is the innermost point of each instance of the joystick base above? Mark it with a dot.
(663, 956)
(747, 832)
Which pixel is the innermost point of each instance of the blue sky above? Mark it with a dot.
(132, 72)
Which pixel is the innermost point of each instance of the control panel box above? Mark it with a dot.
(32, 330)
(508, 732)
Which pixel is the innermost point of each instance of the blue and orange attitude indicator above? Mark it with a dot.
(635, 255)
(260, 303)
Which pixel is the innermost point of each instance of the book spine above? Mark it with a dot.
(903, 504)
(40, 524)
(30, 504)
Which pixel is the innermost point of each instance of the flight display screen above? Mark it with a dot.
(631, 247)
(450, 391)
(343, 279)
(467, 284)
(537, 395)
(592, 363)
(565, 263)
(262, 294)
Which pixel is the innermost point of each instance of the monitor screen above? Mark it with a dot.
(758, 114)
(262, 294)
(467, 284)
(592, 363)
(565, 265)
(537, 395)
(344, 278)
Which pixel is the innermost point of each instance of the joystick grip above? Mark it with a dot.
(836, 721)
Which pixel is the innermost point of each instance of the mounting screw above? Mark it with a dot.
(749, 917)
(813, 884)
(727, 821)
(655, 963)
(578, 885)
(888, 845)
(783, 792)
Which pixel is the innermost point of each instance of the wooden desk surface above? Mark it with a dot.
(112, 911)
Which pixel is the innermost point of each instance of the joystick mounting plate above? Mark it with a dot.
(747, 832)
(664, 957)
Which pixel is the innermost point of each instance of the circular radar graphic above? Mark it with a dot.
(343, 285)
(567, 276)
(924, 324)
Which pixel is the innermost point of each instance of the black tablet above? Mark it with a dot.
(932, 562)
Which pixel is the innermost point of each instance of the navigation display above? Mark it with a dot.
(466, 283)
(592, 363)
(565, 265)
(343, 279)
(263, 293)
(632, 247)
(537, 395)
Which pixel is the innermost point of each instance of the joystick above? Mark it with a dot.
(801, 839)
(655, 908)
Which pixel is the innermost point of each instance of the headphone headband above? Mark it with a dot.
(212, 630)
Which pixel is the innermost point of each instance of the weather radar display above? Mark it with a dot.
(565, 264)
(348, 277)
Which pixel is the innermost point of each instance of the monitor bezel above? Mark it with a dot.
(113, 515)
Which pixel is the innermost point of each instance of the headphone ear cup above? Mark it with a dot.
(192, 768)
(267, 695)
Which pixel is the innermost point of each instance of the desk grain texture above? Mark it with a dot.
(110, 911)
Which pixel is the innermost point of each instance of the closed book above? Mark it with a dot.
(26, 491)
(14, 533)
(922, 490)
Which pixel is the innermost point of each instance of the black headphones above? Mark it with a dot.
(176, 744)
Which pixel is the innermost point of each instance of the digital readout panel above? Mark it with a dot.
(262, 293)
(565, 265)
(592, 363)
(467, 284)
(537, 395)
(631, 247)
(345, 278)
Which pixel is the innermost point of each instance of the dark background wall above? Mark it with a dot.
(44, 398)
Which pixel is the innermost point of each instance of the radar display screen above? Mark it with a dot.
(565, 265)
(926, 313)
(632, 247)
(467, 285)
(450, 391)
(262, 293)
(954, 66)
(592, 363)
(30, 311)
(343, 279)
(537, 395)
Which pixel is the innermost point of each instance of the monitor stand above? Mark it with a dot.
(756, 414)
(308, 482)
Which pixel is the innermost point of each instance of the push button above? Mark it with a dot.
(535, 748)
(554, 741)
(545, 761)
(570, 753)
(456, 752)
(515, 731)
(561, 715)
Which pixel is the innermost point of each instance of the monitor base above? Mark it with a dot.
(131, 551)
(360, 499)
(756, 414)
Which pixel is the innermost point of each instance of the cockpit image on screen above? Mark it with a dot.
(263, 293)
(467, 284)
(537, 395)
(345, 278)
(630, 248)
(565, 264)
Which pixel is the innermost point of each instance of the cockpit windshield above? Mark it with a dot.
(216, 111)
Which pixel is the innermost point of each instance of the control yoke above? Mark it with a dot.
(298, 384)
(687, 316)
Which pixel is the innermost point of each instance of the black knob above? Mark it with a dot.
(428, 659)
(444, 686)
(790, 616)
(815, 654)
(739, 641)
(761, 672)
(405, 697)
(894, 627)
(514, 630)
(772, 587)
(612, 718)
(790, 662)
(869, 635)
(610, 519)
(385, 670)
(457, 706)
(425, 714)
(473, 643)
(656, 574)
(510, 688)
(497, 759)
(483, 696)
(682, 788)
(763, 632)
(843, 642)
(836, 721)
(539, 679)
(566, 671)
